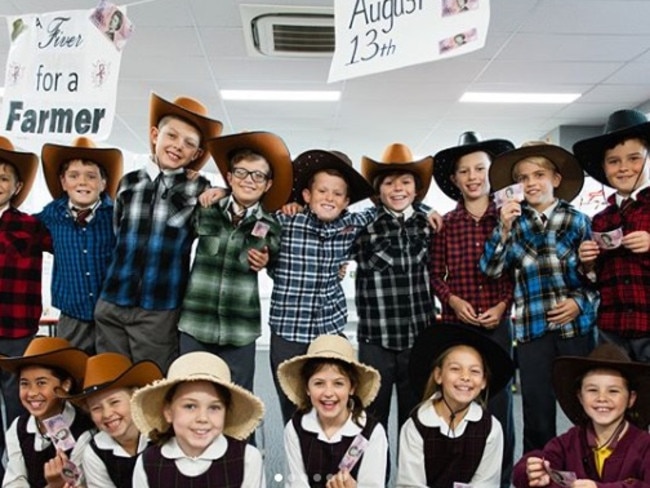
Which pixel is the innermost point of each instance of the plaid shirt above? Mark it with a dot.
(455, 254)
(153, 225)
(81, 255)
(544, 265)
(23, 239)
(222, 303)
(307, 298)
(623, 275)
(393, 299)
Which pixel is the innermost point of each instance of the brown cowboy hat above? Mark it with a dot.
(621, 125)
(314, 160)
(48, 351)
(468, 143)
(568, 372)
(113, 370)
(191, 111)
(567, 165)
(84, 148)
(25, 163)
(398, 157)
(275, 152)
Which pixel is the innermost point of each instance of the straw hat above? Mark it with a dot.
(468, 143)
(275, 152)
(55, 352)
(25, 163)
(312, 161)
(436, 339)
(568, 372)
(55, 155)
(113, 370)
(245, 411)
(398, 157)
(327, 347)
(621, 125)
(567, 165)
(191, 111)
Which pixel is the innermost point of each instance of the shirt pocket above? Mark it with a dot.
(21, 244)
(380, 260)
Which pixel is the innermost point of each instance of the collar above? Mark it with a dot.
(634, 195)
(430, 418)
(216, 449)
(231, 202)
(153, 170)
(311, 424)
(73, 210)
(3, 210)
(106, 442)
(407, 213)
(547, 211)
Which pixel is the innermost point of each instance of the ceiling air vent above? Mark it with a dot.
(288, 31)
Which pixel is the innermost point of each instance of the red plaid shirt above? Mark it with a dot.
(623, 276)
(454, 269)
(23, 239)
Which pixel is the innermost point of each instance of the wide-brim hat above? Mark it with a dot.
(468, 143)
(327, 347)
(275, 152)
(244, 413)
(48, 351)
(436, 339)
(568, 372)
(621, 125)
(314, 160)
(26, 164)
(111, 370)
(191, 111)
(567, 165)
(84, 148)
(398, 157)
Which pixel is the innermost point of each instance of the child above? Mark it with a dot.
(451, 438)
(137, 312)
(109, 381)
(467, 295)
(536, 243)
(82, 179)
(331, 389)
(619, 159)
(198, 419)
(393, 299)
(607, 397)
(48, 364)
(237, 236)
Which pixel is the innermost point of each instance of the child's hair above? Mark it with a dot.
(86, 162)
(540, 161)
(165, 120)
(612, 143)
(331, 172)
(117, 14)
(397, 172)
(239, 155)
(159, 437)
(313, 365)
(13, 169)
(59, 373)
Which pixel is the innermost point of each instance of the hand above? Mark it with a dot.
(563, 312)
(211, 195)
(435, 221)
(463, 310)
(342, 270)
(258, 259)
(491, 318)
(588, 252)
(53, 469)
(509, 212)
(536, 472)
(637, 241)
(291, 208)
(342, 479)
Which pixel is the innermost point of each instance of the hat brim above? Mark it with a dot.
(27, 165)
(436, 339)
(274, 151)
(567, 165)
(422, 168)
(567, 370)
(243, 416)
(310, 162)
(445, 162)
(71, 360)
(55, 155)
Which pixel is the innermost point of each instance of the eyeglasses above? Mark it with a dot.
(256, 176)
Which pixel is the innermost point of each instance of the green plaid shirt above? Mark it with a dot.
(222, 304)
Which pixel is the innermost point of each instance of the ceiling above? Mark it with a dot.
(599, 48)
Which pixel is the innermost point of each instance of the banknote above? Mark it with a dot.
(562, 478)
(70, 473)
(59, 432)
(354, 452)
(512, 192)
(608, 240)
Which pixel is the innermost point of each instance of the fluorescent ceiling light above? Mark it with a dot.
(502, 97)
(282, 95)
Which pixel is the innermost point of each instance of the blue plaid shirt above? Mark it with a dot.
(307, 298)
(81, 255)
(153, 222)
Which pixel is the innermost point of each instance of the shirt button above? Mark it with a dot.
(87, 273)
(85, 251)
(91, 295)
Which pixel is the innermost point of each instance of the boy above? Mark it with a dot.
(536, 243)
(619, 159)
(82, 179)
(137, 312)
(236, 237)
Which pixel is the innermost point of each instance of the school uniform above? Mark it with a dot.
(107, 465)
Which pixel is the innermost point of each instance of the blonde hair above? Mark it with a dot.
(540, 161)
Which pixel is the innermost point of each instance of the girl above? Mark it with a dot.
(110, 379)
(450, 437)
(48, 364)
(199, 421)
(607, 397)
(331, 389)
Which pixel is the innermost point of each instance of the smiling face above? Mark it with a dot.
(83, 182)
(37, 391)
(471, 175)
(176, 143)
(329, 390)
(327, 196)
(110, 410)
(461, 377)
(540, 179)
(246, 191)
(9, 184)
(626, 166)
(397, 191)
(605, 396)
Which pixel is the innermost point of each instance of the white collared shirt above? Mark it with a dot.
(407, 213)
(96, 472)
(633, 195)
